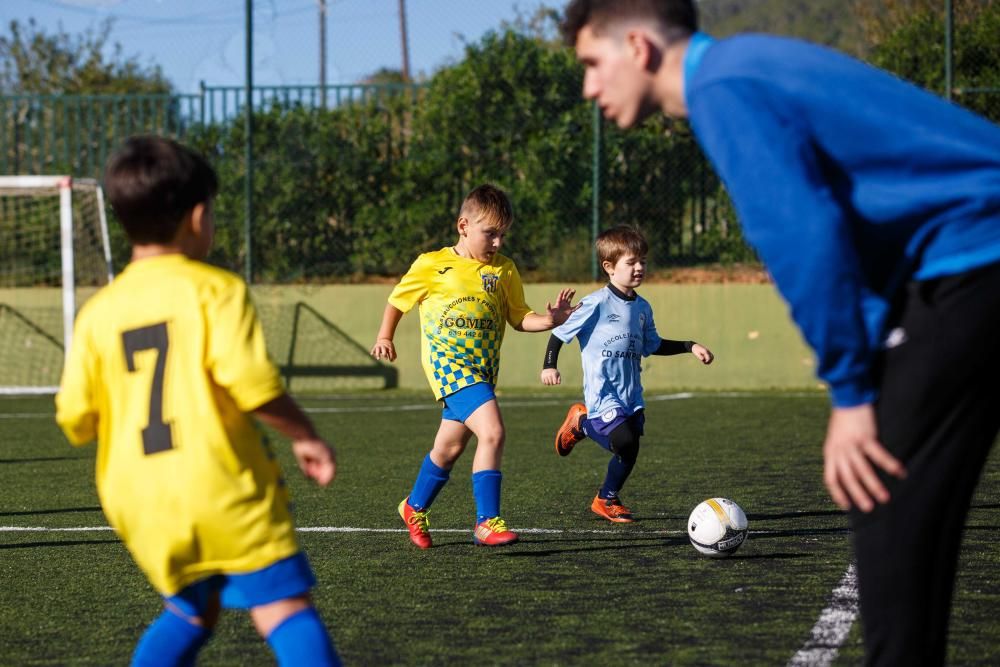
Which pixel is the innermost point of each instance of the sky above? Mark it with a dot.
(197, 41)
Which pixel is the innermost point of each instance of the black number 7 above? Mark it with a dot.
(156, 437)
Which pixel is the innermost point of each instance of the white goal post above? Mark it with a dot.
(54, 252)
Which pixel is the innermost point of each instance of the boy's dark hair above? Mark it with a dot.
(489, 203)
(612, 244)
(152, 182)
(675, 19)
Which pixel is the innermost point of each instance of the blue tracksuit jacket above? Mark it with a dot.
(848, 182)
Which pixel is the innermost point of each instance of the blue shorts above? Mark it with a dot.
(287, 578)
(460, 405)
(600, 430)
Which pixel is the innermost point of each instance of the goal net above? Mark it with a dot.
(54, 253)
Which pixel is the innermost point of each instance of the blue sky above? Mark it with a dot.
(203, 40)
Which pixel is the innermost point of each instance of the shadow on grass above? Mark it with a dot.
(43, 459)
(619, 543)
(804, 532)
(794, 515)
(66, 510)
(62, 543)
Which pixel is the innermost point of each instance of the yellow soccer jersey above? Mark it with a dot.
(165, 364)
(465, 305)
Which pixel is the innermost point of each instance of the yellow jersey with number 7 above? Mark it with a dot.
(166, 363)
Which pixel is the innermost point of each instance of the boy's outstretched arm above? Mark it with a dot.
(554, 315)
(315, 457)
(671, 347)
(384, 347)
(550, 372)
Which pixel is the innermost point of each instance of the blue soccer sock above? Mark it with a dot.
(430, 480)
(614, 480)
(486, 490)
(302, 639)
(169, 640)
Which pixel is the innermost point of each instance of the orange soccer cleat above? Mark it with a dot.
(417, 524)
(611, 509)
(493, 533)
(569, 433)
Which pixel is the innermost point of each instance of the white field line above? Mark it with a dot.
(358, 529)
(833, 626)
(515, 403)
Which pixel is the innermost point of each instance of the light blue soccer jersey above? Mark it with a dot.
(615, 332)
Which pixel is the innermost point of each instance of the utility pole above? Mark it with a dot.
(248, 146)
(322, 53)
(403, 41)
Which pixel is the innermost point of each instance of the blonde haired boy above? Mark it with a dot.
(467, 294)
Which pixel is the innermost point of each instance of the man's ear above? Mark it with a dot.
(643, 51)
(463, 226)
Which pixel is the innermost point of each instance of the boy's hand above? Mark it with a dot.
(384, 349)
(560, 312)
(704, 354)
(551, 377)
(316, 459)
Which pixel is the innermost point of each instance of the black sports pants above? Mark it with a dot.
(939, 412)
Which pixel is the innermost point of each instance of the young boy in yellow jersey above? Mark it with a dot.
(467, 294)
(167, 369)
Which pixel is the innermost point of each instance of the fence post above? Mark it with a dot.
(596, 187)
(949, 16)
(248, 145)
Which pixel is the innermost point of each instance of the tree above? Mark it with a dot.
(907, 38)
(34, 61)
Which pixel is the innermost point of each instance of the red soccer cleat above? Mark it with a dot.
(417, 524)
(569, 433)
(493, 533)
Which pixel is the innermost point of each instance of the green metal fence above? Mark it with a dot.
(339, 170)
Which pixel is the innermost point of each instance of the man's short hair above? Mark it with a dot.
(613, 244)
(489, 203)
(153, 182)
(672, 19)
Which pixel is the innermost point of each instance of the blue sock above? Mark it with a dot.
(618, 472)
(430, 480)
(169, 640)
(302, 639)
(486, 490)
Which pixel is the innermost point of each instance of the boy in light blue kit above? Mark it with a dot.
(615, 328)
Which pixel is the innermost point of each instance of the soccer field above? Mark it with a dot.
(576, 590)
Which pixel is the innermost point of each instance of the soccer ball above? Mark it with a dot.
(717, 527)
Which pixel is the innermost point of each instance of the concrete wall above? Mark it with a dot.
(746, 326)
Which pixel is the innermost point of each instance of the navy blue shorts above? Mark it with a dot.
(460, 405)
(599, 429)
(287, 578)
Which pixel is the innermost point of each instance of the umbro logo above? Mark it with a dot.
(614, 317)
(895, 338)
(446, 269)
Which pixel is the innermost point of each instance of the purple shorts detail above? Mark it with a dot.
(459, 406)
(599, 429)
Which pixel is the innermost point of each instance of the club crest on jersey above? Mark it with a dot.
(490, 281)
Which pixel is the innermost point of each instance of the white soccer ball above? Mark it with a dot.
(717, 527)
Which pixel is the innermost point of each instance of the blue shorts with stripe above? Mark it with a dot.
(287, 578)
